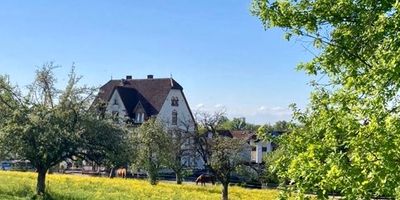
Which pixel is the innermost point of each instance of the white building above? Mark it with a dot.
(139, 99)
(259, 148)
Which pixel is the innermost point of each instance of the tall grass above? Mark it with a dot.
(21, 185)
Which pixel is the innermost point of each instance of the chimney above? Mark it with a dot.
(129, 77)
(150, 76)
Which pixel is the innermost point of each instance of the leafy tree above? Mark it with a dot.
(264, 131)
(211, 122)
(7, 105)
(251, 127)
(121, 147)
(179, 147)
(208, 124)
(282, 126)
(238, 124)
(270, 175)
(221, 155)
(227, 154)
(48, 126)
(349, 135)
(152, 142)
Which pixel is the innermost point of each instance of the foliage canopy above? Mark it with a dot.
(48, 126)
(348, 141)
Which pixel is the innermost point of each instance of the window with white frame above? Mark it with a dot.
(139, 117)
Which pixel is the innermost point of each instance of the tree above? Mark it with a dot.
(116, 151)
(227, 154)
(211, 122)
(152, 142)
(208, 124)
(265, 131)
(282, 126)
(7, 104)
(221, 155)
(349, 135)
(238, 124)
(179, 147)
(48, 126)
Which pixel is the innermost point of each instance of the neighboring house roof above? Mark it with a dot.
(244, 135)
(151, 93)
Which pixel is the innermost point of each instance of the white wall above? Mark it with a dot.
(165, 115)
(184, 116)
(259, 153)
(185, 121)
(120, 108)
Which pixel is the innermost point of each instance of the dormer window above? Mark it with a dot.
(174, 101)
(115, 101)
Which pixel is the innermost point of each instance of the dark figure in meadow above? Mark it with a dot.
(204, 178)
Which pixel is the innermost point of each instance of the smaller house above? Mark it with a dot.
(259, 148)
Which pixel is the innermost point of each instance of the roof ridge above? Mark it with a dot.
(136, 79)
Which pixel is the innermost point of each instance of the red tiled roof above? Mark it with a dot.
(151, 92)
(245, 135)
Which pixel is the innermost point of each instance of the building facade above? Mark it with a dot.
(137, 100)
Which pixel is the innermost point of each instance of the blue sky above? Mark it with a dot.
(217, 50)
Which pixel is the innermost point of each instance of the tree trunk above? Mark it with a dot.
(41, 182)
(225, 191)
(152, 178)
(112, 172)
(178, 176)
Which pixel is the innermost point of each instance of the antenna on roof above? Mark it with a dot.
(111, 77)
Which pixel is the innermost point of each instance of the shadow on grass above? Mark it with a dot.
(27, 193)
(21, 192)
(50, 196)
(46, 196)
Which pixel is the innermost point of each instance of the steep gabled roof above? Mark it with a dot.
(152, 93)
(131, 98)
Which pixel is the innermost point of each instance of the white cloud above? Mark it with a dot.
(198, 106)
(277, 111)
(218, 106)
(262, 108)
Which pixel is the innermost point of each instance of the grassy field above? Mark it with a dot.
(21, 185)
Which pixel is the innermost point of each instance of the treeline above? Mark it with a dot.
(240, 124)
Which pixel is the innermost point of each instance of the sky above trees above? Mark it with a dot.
(217, 50)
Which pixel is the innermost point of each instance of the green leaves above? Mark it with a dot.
(348, 138)
(48, 125)
(152, 148)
